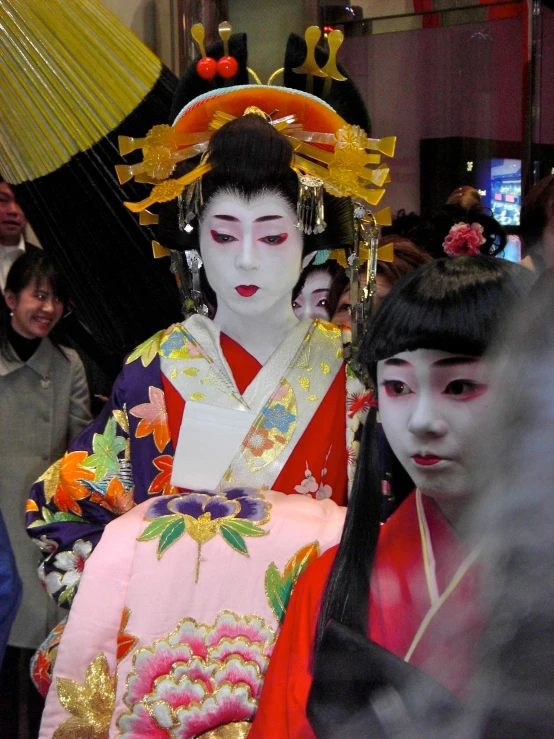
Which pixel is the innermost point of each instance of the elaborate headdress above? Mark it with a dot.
(329, 155)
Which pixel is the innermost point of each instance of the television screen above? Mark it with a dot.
(505, 200)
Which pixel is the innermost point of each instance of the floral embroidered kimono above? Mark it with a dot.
(175, 620)
(423, 608)
(300, 438)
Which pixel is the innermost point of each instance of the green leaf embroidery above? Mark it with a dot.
(234, 539)
(279, 586)
(49, 517)
(67, 595)
(106, 447)
(277, 592)
(171, 534)
(246, 528)
(156, 528)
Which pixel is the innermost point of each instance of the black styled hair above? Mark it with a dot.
(32, 267)
(453, 305)
(191, 85)
(536, 210)
(430, 235)
(250, 157)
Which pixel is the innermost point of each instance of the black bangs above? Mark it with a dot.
(443, 306)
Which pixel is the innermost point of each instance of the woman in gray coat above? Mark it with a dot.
(44, 404)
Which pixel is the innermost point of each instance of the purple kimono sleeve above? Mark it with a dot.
(70, 505)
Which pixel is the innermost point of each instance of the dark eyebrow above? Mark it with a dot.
(267, 218)
(395, 362)
(225, 217)
(452, 361)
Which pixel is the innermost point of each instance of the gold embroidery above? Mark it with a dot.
(236, 730)
(304, 382)
(312, 397)
(91, 705)
(303, 360)
(197, 396)
(329, 330)
(173, 374)
(122, 418)
(191, 371)
(339, 354)
(272, 430)
(179, 344)
(325, 368)
(51, 479)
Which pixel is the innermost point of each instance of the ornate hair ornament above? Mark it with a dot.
(325, 146)
(328, 153)
(464, 239)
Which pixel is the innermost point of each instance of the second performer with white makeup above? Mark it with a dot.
(431, 402)
(411, 585)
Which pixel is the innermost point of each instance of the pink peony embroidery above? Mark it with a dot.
(185, 695)
(464, 239)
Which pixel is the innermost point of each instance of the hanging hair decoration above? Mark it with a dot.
(362, 297)
(310, 210)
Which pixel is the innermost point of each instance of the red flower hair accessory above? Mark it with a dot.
(463, 239)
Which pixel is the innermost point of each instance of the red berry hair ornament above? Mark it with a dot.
(207, 67)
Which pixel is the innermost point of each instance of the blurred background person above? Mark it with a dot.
(12, 233)
(44, 404)
(462, 222)
(537, 226)
(310, 297)
(407, 256)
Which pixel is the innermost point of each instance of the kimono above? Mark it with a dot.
(423, 608)
(301, 438)
(177, 613)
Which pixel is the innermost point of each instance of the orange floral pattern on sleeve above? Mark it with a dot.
(63, 482)
(162, 482)
(153, 417)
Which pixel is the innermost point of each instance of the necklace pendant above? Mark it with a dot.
(45, 382)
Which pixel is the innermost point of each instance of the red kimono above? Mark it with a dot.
(422, 608)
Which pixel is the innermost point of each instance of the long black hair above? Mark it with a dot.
(32, 267)
(453, 305)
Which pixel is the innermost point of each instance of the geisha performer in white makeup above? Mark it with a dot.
(395, 608)
(228, 442)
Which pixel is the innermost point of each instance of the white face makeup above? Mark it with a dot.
(431, 404)
(252, 253)
(312, 300)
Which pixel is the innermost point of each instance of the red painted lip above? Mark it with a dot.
(246, 291)
(427, 460)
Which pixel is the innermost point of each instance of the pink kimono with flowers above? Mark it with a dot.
(177, 613)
